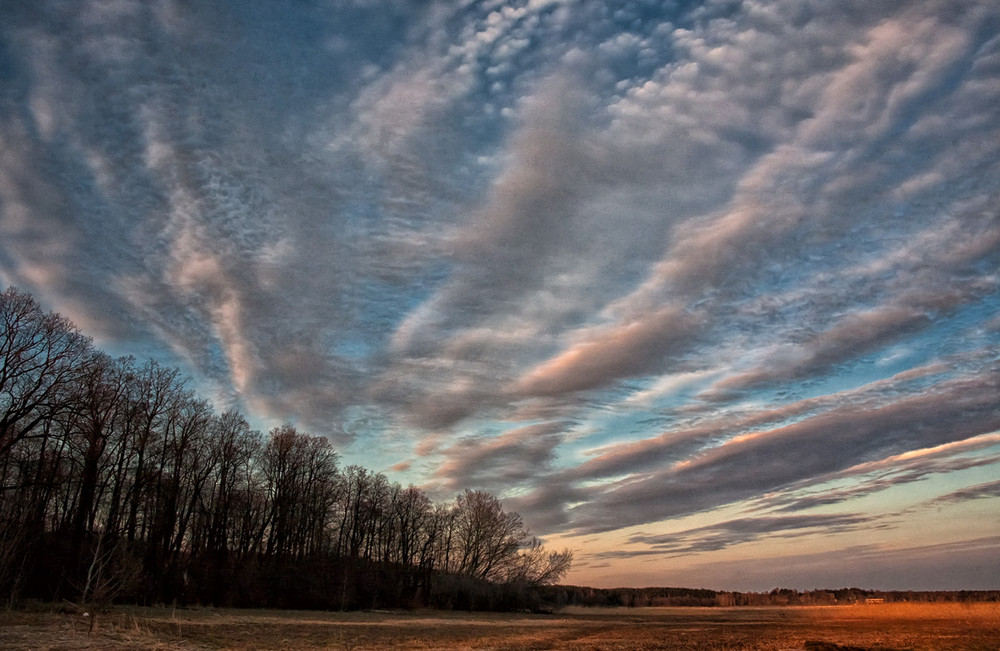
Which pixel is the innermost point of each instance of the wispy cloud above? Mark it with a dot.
(670, 476)
(873, 477)
(498, 462)
(977, 492)
(735, 532)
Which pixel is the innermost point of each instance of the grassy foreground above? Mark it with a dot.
(885, 626)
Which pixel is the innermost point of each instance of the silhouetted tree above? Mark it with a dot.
(486, 538)
(535, 566)
(117, 481)
(39, 355)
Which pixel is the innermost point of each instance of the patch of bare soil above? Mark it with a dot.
(918, 627)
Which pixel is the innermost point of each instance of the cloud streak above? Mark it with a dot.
(779, 457)
(734, 532)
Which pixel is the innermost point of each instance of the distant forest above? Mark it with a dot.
(118, 483)
(558, 596)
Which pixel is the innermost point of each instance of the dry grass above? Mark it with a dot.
(941, 627)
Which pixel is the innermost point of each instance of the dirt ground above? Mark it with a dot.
(940, 627)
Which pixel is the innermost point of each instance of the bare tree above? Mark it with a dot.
(487, 539)
(300, 472)
(97, 396)
(353, 509)
(535, 566)
(182, 469)
(411, 514)
(110, 570)
(39, 354)
(156, 391)
(232, 448)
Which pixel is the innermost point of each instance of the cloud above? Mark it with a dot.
(735, 532)
(853, 336)
(680, 443)
(895, 470)
(623, 351)
(767, 219)
(758, 461)
(497, 462)
(518, 276)
(979, 491)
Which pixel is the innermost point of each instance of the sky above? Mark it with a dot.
(708, 292)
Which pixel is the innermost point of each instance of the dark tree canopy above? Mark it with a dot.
(117, 482)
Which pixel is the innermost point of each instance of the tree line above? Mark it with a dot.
(557, 596)
(792, 597)
(117, 482)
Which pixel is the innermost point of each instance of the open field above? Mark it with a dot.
(886, 626)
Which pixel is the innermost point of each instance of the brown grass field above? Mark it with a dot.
(885, 626)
